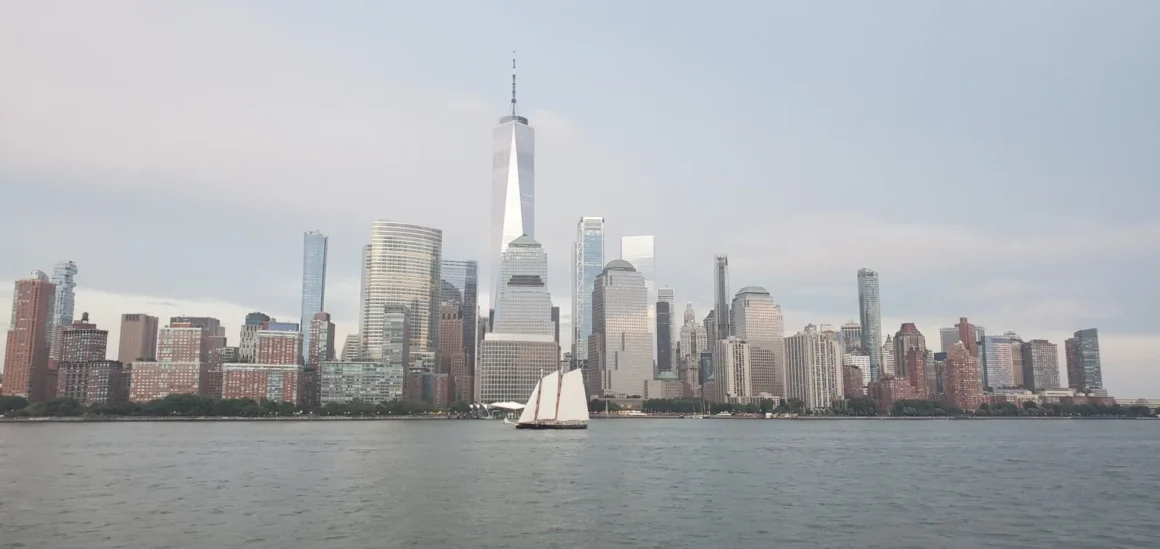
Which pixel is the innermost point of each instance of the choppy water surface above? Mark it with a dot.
(668, 484)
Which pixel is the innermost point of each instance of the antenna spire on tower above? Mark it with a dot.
(513, 82)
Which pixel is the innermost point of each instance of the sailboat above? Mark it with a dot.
(557, 402)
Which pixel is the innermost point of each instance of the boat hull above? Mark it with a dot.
(541, 426)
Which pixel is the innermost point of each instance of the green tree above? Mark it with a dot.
(10, 404)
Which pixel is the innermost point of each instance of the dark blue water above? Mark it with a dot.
(668, 484)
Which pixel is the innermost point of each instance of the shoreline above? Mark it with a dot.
(130, 419)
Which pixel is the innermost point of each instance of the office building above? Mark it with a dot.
(513, 184)
(733, 378)
(26, 352)
(886, 358)
(664, 350)
(64, 278)
(460, 284)
(1072, 364)
(757, 320)
(403, 271)
(721, 314)
(1040, 365)
(1016, 358)
(668, 296)
(620, 348)
(587, 264)
(694, 338)
(313, 282)
(321, 340)
(964, 389)
(138, 338)
(640, 252)
(814, 367)
(1087, 344)
(870, 318)
(352, 348)
(521, 347)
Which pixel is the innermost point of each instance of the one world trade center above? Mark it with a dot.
(513, 185)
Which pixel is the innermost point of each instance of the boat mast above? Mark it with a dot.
(559, 393)
(539, 395)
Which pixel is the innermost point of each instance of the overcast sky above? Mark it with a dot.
(995, 160)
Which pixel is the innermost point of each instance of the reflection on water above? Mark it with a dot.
(668, 484)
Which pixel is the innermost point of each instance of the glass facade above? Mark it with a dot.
(401, 270)
(998, 371)
(523, 305)
(620, 349)
(513, 187)
(758, 321)
(720, 298)
(587, 263)
(511, 364)
(1087, 344)
(313, 281)
(640, 251)
(63, 277)
(459, 283)
(870, 315)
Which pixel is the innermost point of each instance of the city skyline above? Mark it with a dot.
(1031, 297)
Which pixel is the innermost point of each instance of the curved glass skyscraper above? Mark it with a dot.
(402, 270)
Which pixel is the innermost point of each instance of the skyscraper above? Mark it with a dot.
(402, 270)
(1016, 358)
(460, 283)
(26, 353)
(664, 333)
(886, 358)
(669, 296)
(63, 277)
(321, 339)
(513, 189)
(870, 316)
(313, 282)
(721, 297)
(587, 263)
(814, 367)
(907, 338)
(947, 338)
(640, 251)
(969, 336)
(758, 321)
(1088, 352)
(521, 348)
(694, 338)
(1040, 365)
(851, 336)
(138, 338)
(620, 348)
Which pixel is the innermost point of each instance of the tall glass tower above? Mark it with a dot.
(459, 283)
(587, 263)
(402, 270)
(640, 251)
(513, 190)
(1088, 347)
(313, 281)
(64, 277)
(721, 298)
(870, 314)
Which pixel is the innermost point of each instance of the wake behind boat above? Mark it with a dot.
(557, 402)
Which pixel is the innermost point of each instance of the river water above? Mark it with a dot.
(670, 484)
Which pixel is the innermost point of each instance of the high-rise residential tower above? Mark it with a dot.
(587, 264)
(313, 282)
(964, 389)
(620, 348)
(513, 188)
(1087, 343)
(907, 338)
(64, 278)
(733, 376)
(998, 365)
(870, 317)
(26, 352)
(721, 297)
(814, 367)
(138, 338)
(402, 270)
(247, 344)
(640, 251)
(321, 338)
(758, 321)
(1040, 365)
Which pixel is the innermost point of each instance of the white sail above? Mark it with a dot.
(573, 399)
(529, 413)
(549, 387)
